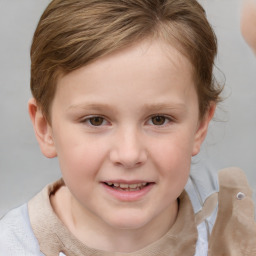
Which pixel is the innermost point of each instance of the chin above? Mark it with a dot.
(128, 221)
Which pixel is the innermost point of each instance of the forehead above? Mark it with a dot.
(144, 71)
(147, 55)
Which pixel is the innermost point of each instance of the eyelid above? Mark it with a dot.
(168, 117)
(85, 120)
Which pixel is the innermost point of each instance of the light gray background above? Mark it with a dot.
(24, 171)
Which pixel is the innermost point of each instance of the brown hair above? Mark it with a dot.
(73, 33)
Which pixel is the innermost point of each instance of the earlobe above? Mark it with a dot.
(42, 128)
(202, 129)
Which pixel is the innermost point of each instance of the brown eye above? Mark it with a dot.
(158, 120)
(96, 121)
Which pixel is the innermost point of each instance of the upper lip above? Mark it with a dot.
(127, 181)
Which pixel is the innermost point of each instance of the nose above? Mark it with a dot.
(128, 149)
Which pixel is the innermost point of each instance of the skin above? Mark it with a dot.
(248, 23)
(127, 89)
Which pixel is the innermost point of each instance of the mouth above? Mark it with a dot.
(128, 191)
(127, 187)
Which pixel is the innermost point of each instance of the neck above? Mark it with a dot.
(97, 234)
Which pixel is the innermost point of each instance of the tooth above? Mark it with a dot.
(124, 185)
(133, 185)
(130, 186)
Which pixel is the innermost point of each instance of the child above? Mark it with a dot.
(123, 93)
(248, 23)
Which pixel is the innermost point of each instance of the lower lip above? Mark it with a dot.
(128, 196)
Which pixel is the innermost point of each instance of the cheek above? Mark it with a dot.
(80, 158)
(174, 148)
(80, 166)
(172, 158)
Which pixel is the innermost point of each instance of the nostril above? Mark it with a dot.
(128, 159)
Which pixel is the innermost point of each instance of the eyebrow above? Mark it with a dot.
(152, 107)
(162, 106)
(94, 106)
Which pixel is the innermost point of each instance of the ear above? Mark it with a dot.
(202, 129)
(42, 128)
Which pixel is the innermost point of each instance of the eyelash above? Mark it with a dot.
(167, 120)
(103, 121)
(88, 120)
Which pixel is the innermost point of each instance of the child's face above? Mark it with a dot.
(128, 119)
(248, 23)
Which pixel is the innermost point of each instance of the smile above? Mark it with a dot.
(127, 187)
(128, 191)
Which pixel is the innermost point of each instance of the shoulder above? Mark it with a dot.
(16, 235)
(234, 232)
(224, 211)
